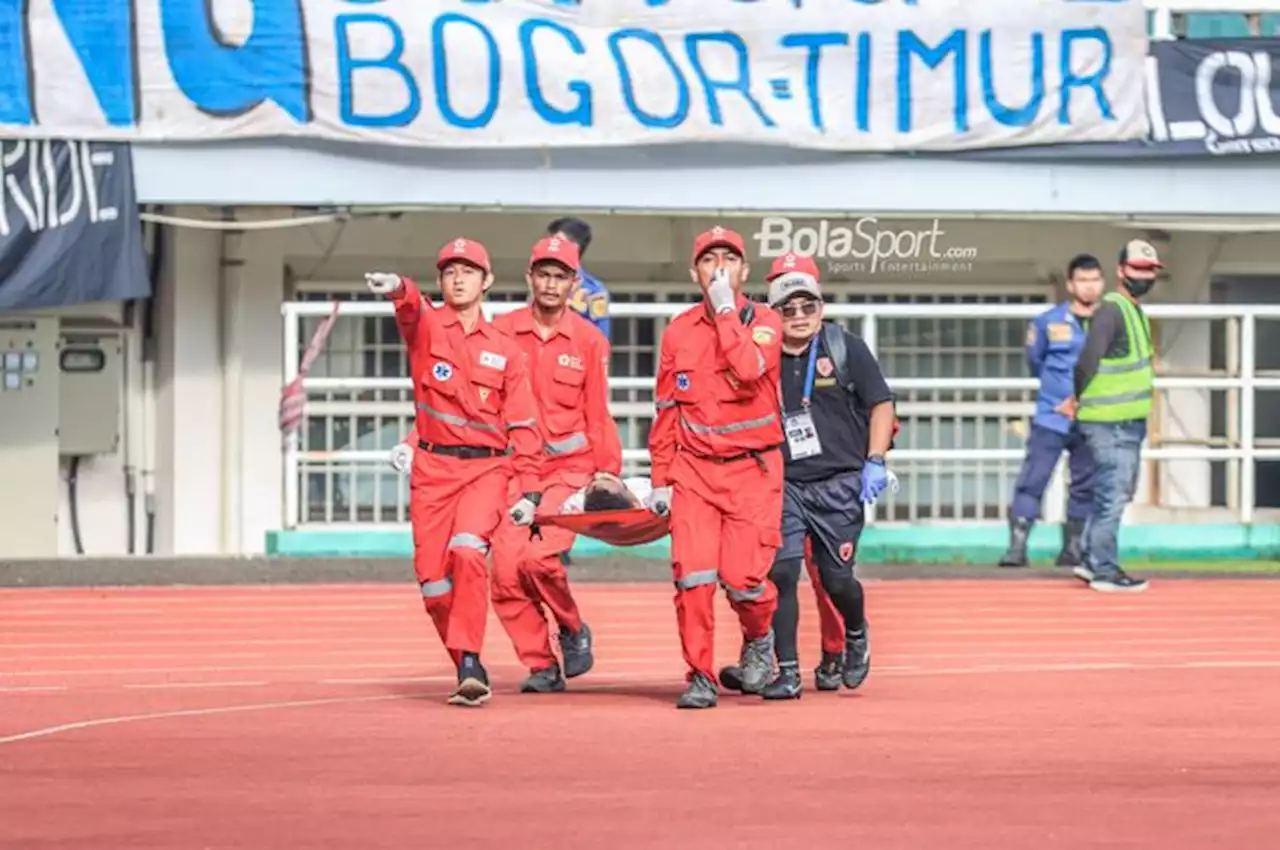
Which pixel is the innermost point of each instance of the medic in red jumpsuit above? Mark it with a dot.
(476, 427)
(569, 366)
(717, 465)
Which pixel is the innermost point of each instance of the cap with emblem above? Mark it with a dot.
(718, 237)
(558, 250)
(464, 250)
(1140, 254)
(786, 263)
(790, 284)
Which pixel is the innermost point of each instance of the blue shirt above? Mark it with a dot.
(591, 301)
(1054, 341)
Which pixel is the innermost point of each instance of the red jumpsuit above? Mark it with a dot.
(473, 398)
(716, 442)
(569, 371)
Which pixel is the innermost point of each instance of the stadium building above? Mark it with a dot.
(938, 260)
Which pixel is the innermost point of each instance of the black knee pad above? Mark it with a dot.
(786, 573)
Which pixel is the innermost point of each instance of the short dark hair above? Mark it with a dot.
(1083, 263)
(599, 499)
(578, 231)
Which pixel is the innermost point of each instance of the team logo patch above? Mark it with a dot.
(682, 382)
(493, 361)
(599, 306)
(484, 394)
(825, 367)
(763, 336)
(1059, 332)
(570, 362)
(846, 550)
(442, 371)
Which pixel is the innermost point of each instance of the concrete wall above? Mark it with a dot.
(216, 445)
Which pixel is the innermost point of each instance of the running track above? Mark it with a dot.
(998, 715)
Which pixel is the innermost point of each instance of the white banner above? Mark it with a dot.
(850, 75)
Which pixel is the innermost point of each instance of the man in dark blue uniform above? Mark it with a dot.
(590, 299)
(838, 421)
(1054, 341)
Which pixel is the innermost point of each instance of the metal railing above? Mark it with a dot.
(1245, 381)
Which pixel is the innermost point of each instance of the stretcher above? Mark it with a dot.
(630, 527)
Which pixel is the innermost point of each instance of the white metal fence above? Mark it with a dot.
(958, 370)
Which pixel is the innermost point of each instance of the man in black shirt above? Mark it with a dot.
(838, 421)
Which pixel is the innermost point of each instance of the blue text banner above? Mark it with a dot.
(852, 75)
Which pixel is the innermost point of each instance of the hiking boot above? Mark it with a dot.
(1072, 554)
(545, 681)
(1019, 533)
(857, 658)
(756, 662)
(731, 678)
(473, 686)
(828, 675)
(701, 693)
(786, 685)
(576, 649)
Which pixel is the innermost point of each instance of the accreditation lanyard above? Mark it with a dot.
(807, 397)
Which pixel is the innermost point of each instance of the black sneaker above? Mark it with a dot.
(857, 658)
(473, 687)
(786, 685)
(731, 678)
(701, 693)
(545, 681)
(828, 675)
(576, 649)
(1118, 583)
(756, 663)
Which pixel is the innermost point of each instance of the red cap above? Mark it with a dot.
(466, 250)
(786, 263)
(557, 250)
(718, 237)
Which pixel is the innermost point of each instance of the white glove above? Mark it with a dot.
(659, 501)
(401, 458)
(382, 283)
(521, 512)
(720, 292)
(893, 481)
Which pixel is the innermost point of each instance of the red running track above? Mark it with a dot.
(998, 716)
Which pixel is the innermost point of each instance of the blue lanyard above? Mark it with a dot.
(808, 375)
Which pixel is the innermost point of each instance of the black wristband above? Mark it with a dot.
(876, 459)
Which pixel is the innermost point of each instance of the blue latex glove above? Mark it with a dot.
(875, 478)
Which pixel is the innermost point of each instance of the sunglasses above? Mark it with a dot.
(791, 309)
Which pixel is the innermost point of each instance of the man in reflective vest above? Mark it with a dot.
(1054, 340)
(476, 426)
(569, 365)
(1114, 381)
(717, 465)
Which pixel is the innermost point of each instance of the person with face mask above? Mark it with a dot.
(569, 367)
(838, 418)
(716, 464)
(1054, 341)
(477, 429)
(1114, 385)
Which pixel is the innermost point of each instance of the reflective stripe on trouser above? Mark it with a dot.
(527, 576)
(724, 529)
(454, 507)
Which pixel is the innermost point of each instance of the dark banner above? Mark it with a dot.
(1216, 97)
(69, 229)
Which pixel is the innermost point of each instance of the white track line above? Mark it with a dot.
(199, 712)
(160, 686)
(34, 689)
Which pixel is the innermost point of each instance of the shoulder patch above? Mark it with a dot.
(599, 306)
(763, 335)
(1059, 332)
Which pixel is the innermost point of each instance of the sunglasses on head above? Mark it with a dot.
(805, 307)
